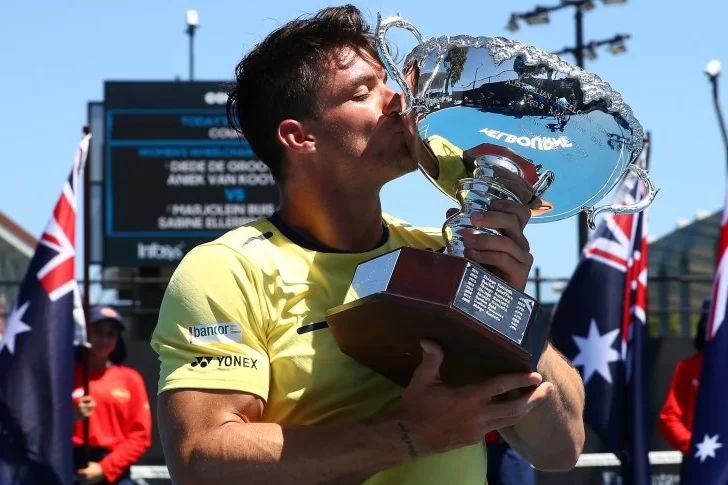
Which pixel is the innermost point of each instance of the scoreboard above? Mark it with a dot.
(175, 174)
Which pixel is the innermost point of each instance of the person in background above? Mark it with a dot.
(505, 465)
(117, 406)
(676, 417)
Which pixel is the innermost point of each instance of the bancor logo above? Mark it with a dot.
(536, 142)
(160, 252)
(224, 332)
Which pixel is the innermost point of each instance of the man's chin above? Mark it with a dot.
(406, 159)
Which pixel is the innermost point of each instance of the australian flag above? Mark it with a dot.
(707, 460)
(599, 324)
(36, 354)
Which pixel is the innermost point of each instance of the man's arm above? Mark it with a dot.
(226, 443)
(551, 436)
(216, 437)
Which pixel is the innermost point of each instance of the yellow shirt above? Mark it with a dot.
(247, 313)
(450, 161)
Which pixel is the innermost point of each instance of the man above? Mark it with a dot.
(253, 387)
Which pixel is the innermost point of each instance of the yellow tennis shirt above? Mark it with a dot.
(246, 312)
(450, 162)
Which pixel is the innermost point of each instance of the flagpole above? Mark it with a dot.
(86, 286)
(648, 140)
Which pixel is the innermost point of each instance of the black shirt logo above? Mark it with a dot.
(201, 361)
(226, 361)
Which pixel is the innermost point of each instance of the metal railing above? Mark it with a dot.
(152, 472)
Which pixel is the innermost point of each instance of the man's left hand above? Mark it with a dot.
(509, 254)
(92, 474)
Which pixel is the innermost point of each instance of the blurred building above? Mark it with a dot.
(681, 266)
(16, 249)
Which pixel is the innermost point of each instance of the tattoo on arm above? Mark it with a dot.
(404, 436)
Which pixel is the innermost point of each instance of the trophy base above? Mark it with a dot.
(484, 326)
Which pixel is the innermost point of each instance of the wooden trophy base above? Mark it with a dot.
(485, 326)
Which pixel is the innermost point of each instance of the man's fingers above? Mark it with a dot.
(512, 271)
(428, 372)
(521, 211)
(501, 384)
(491, 243)
(506, 222)
(520, 406)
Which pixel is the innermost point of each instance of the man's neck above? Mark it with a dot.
(336, 219)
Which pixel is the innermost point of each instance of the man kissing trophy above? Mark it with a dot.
(502, 121)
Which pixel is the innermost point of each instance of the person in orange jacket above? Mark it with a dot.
(676, 416)
(117, 406)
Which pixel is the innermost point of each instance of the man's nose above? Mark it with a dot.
(393, 102)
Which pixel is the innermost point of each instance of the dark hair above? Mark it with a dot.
(699, 341)
(280, 77)
(117, 356)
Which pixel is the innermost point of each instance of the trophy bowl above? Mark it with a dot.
(497, 119)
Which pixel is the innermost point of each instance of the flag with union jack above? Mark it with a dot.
(36, 353)
(599, 324)
(707, 459)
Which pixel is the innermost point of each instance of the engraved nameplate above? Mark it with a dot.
(494, 304)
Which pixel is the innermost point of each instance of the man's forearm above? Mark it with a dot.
(269, 453)
(551, 436)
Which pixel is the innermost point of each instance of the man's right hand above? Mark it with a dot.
(85, 407)
(217, 436)
(433, 417)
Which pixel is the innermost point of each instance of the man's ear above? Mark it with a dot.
(294, 136)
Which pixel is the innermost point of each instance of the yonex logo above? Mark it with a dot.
(226, 361)
(201, 361)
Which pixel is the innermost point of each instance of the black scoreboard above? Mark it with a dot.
(175, 174)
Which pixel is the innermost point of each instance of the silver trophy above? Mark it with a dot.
(501, 120)
(526, 126)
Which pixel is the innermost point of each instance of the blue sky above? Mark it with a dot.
(55, 56)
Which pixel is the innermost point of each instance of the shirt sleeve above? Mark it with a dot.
(672, 416)
(138, 430)
(450, 163)
(210, 333)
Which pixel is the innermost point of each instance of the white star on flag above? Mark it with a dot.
(596, 352)
(707, 448)
(14, 327)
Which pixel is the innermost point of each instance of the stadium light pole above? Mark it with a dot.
(193, 21)
(540, 16)
(712, 70)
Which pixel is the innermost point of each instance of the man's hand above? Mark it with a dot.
(85, 407)
(507, 255)
(433, 418)
(90, 475)
(216, 437)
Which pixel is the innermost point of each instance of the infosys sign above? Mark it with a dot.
(148, 252)
(156, 251)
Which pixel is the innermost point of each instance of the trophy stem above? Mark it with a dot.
(474, 195)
